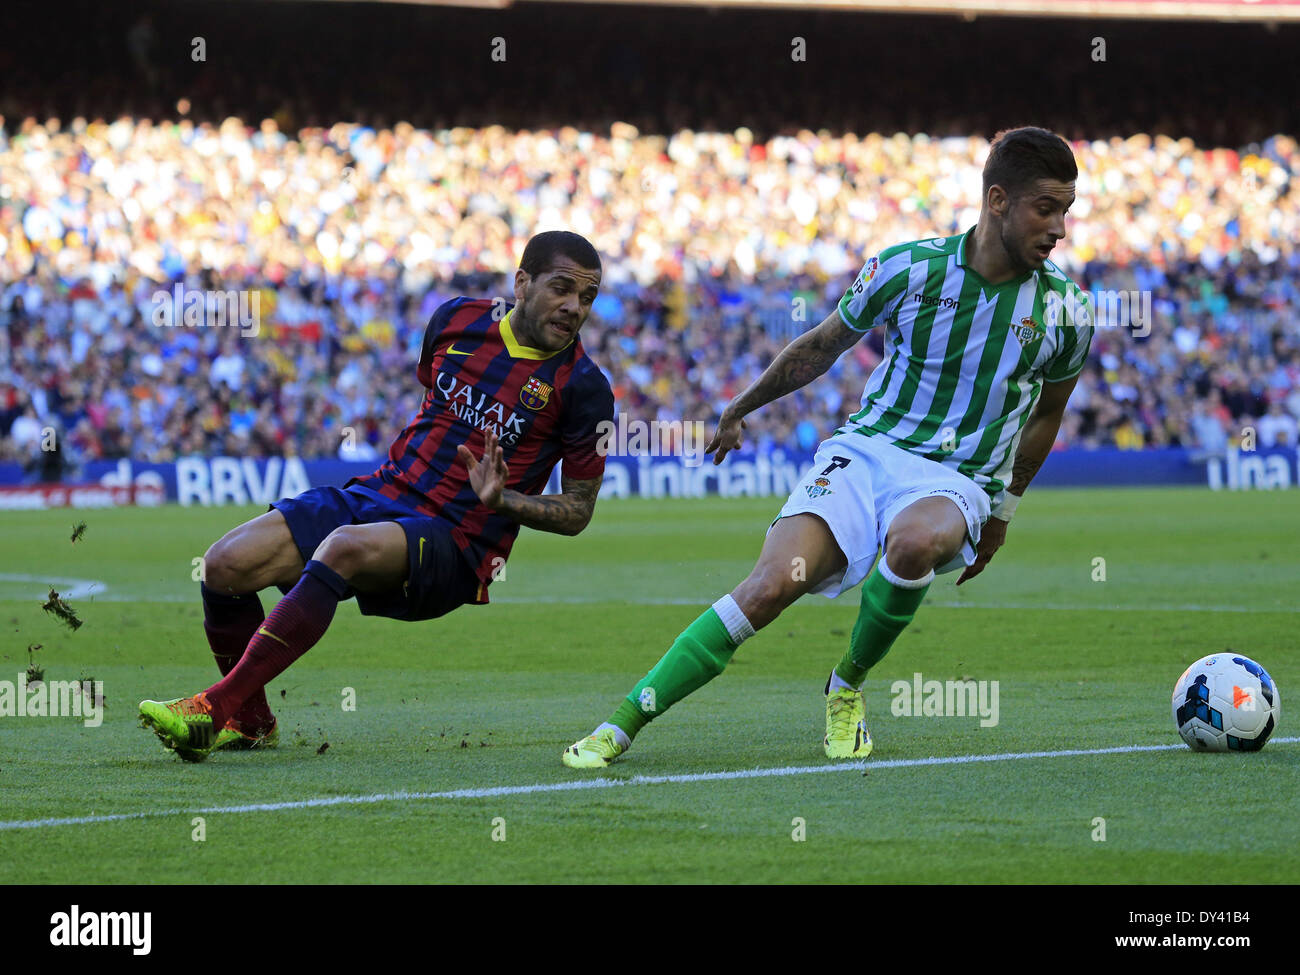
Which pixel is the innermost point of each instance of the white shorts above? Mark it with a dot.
(859, 484)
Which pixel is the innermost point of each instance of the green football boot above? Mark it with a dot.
(594, 751)
(184, 725)
(846, 725)
(235, 737)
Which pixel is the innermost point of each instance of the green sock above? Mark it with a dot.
(697, 656)
(886, 611)
(628, 717)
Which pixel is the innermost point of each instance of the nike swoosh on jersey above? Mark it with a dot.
(452, 350)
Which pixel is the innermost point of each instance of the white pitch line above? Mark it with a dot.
(579, 785)
(99, 591)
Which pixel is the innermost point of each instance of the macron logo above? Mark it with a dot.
(104, 929)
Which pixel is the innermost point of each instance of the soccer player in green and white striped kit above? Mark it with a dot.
(984, 341)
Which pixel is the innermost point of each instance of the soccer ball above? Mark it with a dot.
(1226, 702)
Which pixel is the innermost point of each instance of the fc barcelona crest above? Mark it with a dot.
(535, 394)
(1026, 331)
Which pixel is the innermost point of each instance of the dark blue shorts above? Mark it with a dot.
(439, 577)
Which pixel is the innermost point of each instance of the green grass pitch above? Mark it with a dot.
(488, 697)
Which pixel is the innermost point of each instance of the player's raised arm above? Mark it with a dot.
(566, 513)
(798, 364)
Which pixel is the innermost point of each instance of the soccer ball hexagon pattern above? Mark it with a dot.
(1226, 702)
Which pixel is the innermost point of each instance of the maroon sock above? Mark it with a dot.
(230, 621)
(298, 621)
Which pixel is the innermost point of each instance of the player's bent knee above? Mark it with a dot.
(915, 550)
(344, 551)
(223, 568)
(249, 558)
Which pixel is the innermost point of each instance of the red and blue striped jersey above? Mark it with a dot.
(544, 407)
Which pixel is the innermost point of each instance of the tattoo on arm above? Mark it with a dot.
(566, 513)
(799, 363)
(1023, 471)
(1040, 433)
(1035, 445)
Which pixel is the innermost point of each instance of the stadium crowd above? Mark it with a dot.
(718, 248)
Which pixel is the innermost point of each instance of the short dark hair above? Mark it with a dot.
(542, 250)
(1020, 157)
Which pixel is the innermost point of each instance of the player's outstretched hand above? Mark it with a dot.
(487, 476)
(992, 536)
(729, 436)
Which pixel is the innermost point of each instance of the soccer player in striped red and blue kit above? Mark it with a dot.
(510, 393)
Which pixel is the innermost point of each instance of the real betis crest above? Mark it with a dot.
(819, 487)
(535, 394)
(1026, 331)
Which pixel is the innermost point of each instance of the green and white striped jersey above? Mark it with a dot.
(964, 359)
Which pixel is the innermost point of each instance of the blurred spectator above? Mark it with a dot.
(1277, 428)
(1207, 429)
(719, 248)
